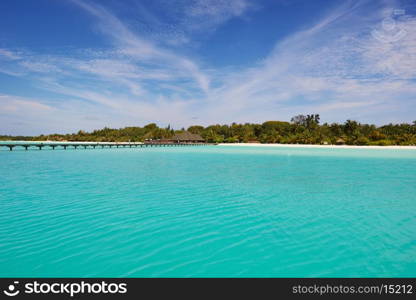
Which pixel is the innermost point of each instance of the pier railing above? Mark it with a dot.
(90, 145)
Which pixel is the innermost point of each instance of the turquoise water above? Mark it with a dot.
(208, 211)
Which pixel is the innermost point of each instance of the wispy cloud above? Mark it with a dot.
(16, 104)
(188, 18)
(335, 67)
(7, 54)
(209, 14)
(142, 51)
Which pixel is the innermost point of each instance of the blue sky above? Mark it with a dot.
(84, 64)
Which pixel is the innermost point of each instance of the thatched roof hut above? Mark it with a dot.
(187, 137)
(340, 141)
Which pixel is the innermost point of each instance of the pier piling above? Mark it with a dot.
(86, 145)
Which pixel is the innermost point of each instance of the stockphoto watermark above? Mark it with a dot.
(36, 287)
(391, 28)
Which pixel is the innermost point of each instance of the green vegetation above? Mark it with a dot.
(301, 130)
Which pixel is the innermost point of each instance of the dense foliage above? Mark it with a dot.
(301, 130)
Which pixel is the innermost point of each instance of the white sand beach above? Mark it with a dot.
(317, 146)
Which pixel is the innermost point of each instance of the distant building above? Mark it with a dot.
(158, 141)
(340, 141)
(187, 137)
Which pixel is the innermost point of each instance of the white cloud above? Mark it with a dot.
(335, 67)
(8, 54)
(11, 104)
(209, 14)
(39, 67)
(142, 51)
(187, 18)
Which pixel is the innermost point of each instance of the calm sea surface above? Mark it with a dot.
(208, 211)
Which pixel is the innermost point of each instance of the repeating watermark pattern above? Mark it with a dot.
(391, 28)
(74, 288)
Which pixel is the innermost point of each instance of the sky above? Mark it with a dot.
(69, 65)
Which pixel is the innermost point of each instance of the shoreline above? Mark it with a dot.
(318, 146)
(231, 144)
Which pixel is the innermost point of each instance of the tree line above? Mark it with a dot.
(302, 129)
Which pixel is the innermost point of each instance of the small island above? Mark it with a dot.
(302, 129)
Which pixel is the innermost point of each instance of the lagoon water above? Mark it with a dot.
(208, 211)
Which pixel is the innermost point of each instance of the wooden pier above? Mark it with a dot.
(91, 145)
